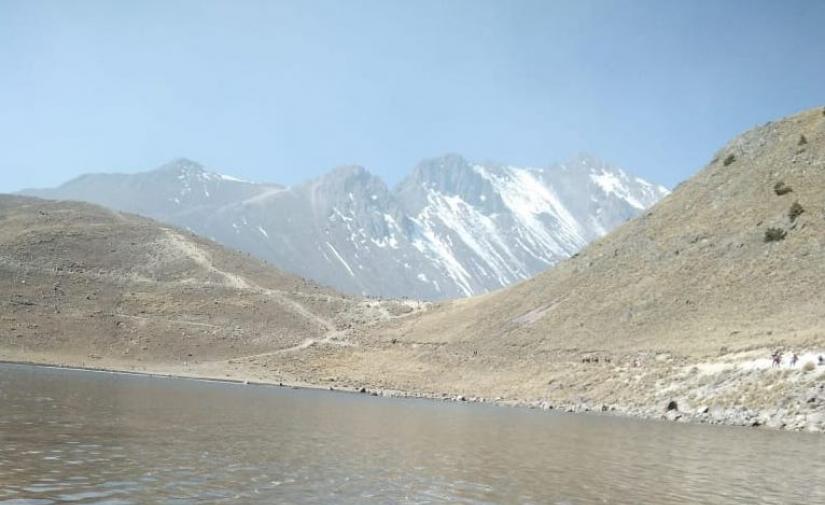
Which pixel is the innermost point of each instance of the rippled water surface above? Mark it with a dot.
(84, 437)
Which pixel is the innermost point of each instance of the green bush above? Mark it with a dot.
(795, 211)
(775, 234)
(729, 159)
(802, 140)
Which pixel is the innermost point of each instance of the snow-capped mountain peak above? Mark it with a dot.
(187, 170)
(451, 228)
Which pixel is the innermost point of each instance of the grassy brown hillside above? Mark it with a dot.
(83, 284)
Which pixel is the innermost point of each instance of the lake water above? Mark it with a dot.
(99, 438)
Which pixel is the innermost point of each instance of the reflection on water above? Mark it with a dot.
(96, 438)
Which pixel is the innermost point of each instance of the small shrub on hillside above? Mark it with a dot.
(729, 159)
(775, 234)
(781, 189)
(802, 140)
(795, 211)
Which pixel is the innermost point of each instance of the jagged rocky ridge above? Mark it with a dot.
(452, 228)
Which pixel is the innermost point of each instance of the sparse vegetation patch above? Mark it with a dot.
(795, 211)
(781, 189)
(802, 140)
(775, 234)
(729, 159)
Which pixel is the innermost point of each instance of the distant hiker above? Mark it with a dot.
(776, 359)
(794, 359)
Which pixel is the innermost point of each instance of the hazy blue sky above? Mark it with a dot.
(285, 90)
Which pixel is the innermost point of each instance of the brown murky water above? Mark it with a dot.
(99, 438)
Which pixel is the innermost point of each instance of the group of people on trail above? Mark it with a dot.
(776, 359)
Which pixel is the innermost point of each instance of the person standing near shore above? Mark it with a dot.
(776, 359)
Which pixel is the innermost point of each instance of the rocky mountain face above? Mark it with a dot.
(452, 228)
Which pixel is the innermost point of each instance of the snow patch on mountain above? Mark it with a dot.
(527, 199)
(610, 183)
(341, 259)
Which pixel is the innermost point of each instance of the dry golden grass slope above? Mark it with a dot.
(80, 284)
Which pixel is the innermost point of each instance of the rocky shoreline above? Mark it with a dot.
(791, 419)
(780, 419)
